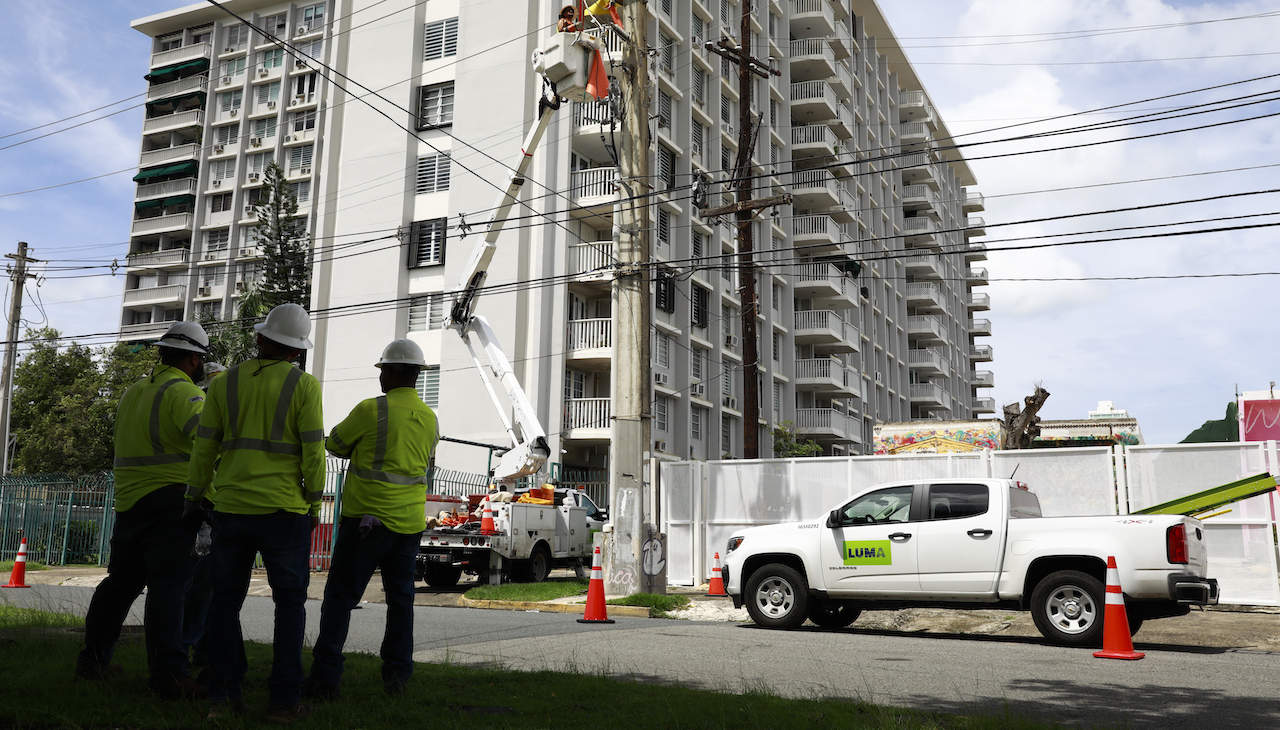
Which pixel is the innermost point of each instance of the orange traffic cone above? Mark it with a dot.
(486, 522)
(595, 613)
(717, 581)
(18, 578)
(1116, 640)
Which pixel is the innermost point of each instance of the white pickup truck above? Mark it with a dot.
(966, 543)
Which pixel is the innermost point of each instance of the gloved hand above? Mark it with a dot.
(193, 515)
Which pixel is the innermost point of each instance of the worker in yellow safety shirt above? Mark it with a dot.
(390, 441)
(150, 547)
(263, 421)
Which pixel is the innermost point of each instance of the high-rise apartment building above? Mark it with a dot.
(396, 186)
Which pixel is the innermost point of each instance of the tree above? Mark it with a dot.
(787, 444)
(286, 270)
(1022, 427)
(1227, 429)
(232, 341)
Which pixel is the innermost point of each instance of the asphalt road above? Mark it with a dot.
(1175, 686)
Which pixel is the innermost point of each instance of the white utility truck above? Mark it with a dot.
(966, 543)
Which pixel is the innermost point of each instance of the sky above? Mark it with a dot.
(1171, 351)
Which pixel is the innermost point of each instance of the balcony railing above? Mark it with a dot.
(174, 88)
(594, 183)
(828, 273)
(925, 325)
(189, 118)
(918, 225)
(818, 319)
(983, 379)
(159, 223)
(151, 158)
(813, 91)
(154, 259)
(928, 359)
(823, 368)
(979, 326)
(814, 225)
(811, 47)
(589, 334)
(918, 291)
(974, 201)
(145, 329)
(826, 422)
(984, 405)
(588, 413)
(980, 352)
(588, 257)
(170, 292)
(812, 134)
(595, 112)
(979, 301)
(178, 55)
(185, 186)
(928, 392)
(978, 274)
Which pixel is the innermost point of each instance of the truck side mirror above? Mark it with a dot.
(833, 519)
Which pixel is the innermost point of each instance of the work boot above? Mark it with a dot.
(286, 714)
(221, 710)
(178, 688)
(313, 690)
(95, 672)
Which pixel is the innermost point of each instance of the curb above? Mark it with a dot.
(630, 611)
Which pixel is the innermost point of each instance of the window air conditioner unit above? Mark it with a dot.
(661, 379)
(210, 255)
(660, 445)
(205, 291)
(229, 49)
(241, 286)
(226, 79)
(248, 210)
(271, 105)
(217, 183)
(728, 129)
(296, 101)
(302, 30)
(253, 176)
(299, 63)
(304, 171)
(729, 402)
(699, 390)
(263, 72)
(256, 141)
(731, 341)
(217, 149)
(879, 378)
(235, 112)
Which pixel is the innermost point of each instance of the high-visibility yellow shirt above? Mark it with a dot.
(155, 425)
(263, 419)
(389, 440)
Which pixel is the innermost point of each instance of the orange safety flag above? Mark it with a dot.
(597, 80)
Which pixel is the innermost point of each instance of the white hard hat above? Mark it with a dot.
(287, 324)
(402, 352)
(186, 336)
(211, 370)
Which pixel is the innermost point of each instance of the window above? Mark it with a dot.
(433, 173)
(304, 86)
(429, 386)
(231, 100)
(435, 105)
(219, 203)
(257, 163)
(699, 86)
(426, 243)
(313, 16)
(277, 25)
(695, 423)
(664, 291)
(726, 379)
(726, 110)
(949, 501)
(300, 157)
(667, 47)
(698, 28)
(273, 58)
(773, 25)
(213, 275)
(773, 113)
(268, 92)
(695, 245)
(573, 384)
(726, 320)
(777, 401)
(773, 153)
(696, 132)
(216, 240)
(314, 49)
(666, 168)
(440, 39)
(697, 356)
(208, 310)
(250, 272)
(223, 169)
(726, 433)
(699, 297)
(237, 34)
(776, 298)
(662, 350)
(302, 121)
(301, 191)
(883, 505)
(426, 313)
(264, 127)
(227, 134)
(660, 405)
(664, 111)
(234, 67)
(777, 347)
(664, 228)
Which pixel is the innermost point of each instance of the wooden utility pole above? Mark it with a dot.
(631, 413)
(18, 274)
(745, 210)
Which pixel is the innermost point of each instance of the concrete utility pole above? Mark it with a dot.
(745, 209)
(18, 274)
(631, 413)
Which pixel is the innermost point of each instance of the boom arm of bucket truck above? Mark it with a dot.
(530, 450)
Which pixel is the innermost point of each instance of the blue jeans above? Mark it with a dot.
(149, 549)
(354, 560)
(284, 540)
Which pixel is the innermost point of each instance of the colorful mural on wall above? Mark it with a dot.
(956, 437)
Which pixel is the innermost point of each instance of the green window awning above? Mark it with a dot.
(181, 169)
(179, 200)
(146, 204)
(169, 73)
(177, 100)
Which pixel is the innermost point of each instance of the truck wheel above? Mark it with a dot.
(1135, 623)
(777, 597)
(1067, 607)
(536, 568)
(442, 576)
(833, 614)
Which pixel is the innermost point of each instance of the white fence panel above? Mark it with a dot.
(1068, 481)
(681, 483)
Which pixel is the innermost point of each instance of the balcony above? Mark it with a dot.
(827, 425)
(984, 405)
(814, 140)
(163, 224)
(185, 186)
(928, 362)
(929, 394)
(179, 55)
(811, 58)
(179, 153)
(980, 353)
(814, 189)
(973, 202)
(924, 267)
(156, 294)
(920, 232)
(811, 19)
(842, 43)
(926, 327)
(920, 198)
(825, 285)
(927, 295)
(842, 83)
(974, 226)
(976, 252)
(589, 342)
(982, 379)
(980, 302)
(157, 259)
(828, 376)
(826, 331)
(587, 418)
(177, 88)
(591, 259)
(177, 120)
(918, 169)
(975, 277)
(588, 121)
(915, 133)
(814, 234)
(980, 327)
(813, 101)
(594, 193)
(914, 106)
(144, 330)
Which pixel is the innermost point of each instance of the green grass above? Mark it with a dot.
(6, 567)
(660, 606)
(544, 591)
(38, 665)
(13, 617)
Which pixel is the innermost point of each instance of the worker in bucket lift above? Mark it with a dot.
(263, 420)
(150, 547)
(389, 441)
(566, 23)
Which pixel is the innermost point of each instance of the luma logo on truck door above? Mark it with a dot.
(868, 552)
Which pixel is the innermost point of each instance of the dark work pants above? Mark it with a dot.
(354, 560)
(149, 549)
(195, 616)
